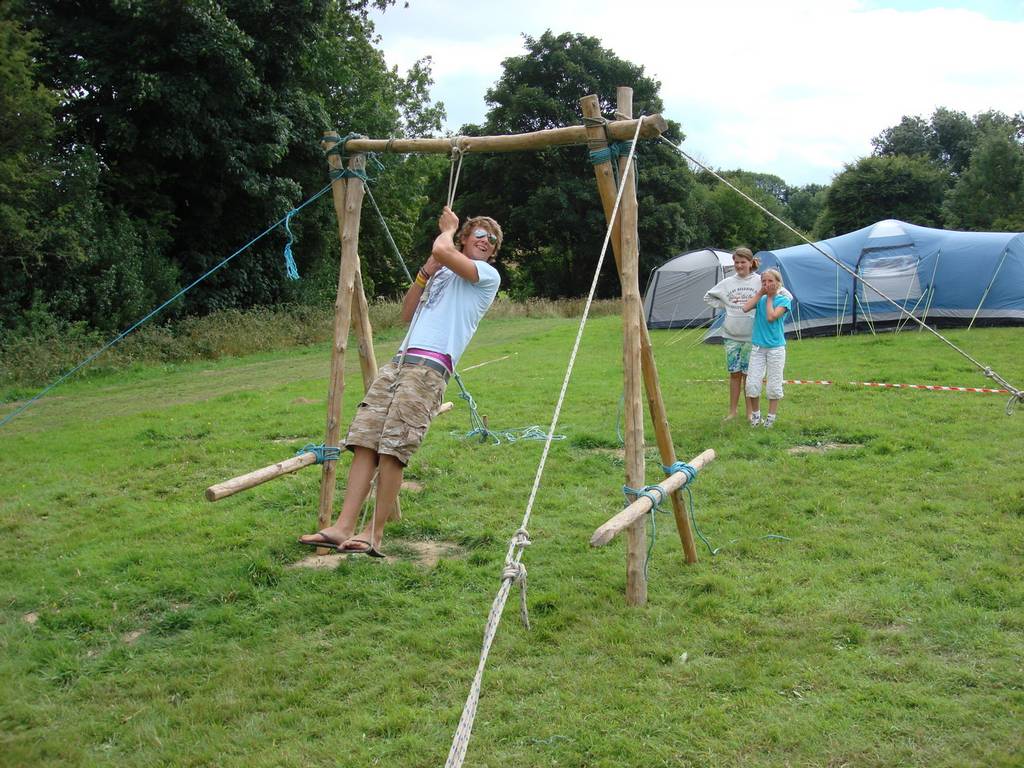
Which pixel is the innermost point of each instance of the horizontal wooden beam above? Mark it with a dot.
(259, 476)
(619, 130)
(643, 505)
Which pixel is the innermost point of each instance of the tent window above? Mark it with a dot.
(895, 275)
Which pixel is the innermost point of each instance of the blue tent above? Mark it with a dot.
(944, 278)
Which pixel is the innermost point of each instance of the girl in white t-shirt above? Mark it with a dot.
(731, 294)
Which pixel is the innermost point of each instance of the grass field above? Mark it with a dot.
(143, 626)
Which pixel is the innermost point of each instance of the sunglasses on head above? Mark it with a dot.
(484, 233)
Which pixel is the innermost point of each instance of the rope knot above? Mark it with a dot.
(681, 466)
(647, 492)
(516, 574)
(322, 452)
(521, 539)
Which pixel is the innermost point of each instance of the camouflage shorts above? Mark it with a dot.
(394, 420)
(737, 355)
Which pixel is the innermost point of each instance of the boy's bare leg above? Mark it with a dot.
(360, 478)
(390, 472)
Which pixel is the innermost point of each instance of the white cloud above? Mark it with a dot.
(792, 87)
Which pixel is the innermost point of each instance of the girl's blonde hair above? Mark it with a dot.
(746, 253)
(776, 274)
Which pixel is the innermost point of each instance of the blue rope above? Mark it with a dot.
(484, 434)
(289, 260)
(691, 474)
(159, 309)
(648, 491)
(323, 452)
(613, 151)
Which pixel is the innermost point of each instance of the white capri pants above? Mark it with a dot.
(770, 361)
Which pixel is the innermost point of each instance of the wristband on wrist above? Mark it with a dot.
(421, 279)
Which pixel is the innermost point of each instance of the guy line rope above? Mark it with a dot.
(1016, 395)
(514, 571)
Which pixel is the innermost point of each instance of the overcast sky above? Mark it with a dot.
(791, 87)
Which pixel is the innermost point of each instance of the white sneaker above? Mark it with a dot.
(769, 420)
(755, 419)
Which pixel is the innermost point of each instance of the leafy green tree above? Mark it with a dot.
(733, 221)
(26, 128)
(547, 201)
(990, 193)
(876, 188)
(193, 127)
(805, 204)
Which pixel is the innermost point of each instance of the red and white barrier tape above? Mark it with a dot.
(884, 385)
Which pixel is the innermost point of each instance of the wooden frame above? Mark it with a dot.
(640, 371)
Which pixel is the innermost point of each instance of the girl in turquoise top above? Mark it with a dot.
(768, 353)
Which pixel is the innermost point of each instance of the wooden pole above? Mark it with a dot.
(636, 541)
(636, 511)
(348, 199)
(259, 476)
(656, 404)
(653, 126)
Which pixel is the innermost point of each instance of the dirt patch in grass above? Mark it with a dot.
(424, 553)
(797, 450)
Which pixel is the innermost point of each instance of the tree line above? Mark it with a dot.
(145, 141)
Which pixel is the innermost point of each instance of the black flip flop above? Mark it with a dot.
(327, 542)
(370, 550)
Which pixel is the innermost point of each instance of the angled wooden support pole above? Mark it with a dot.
(348, 198)
(607, 189)
(259, 476)
(635, 512)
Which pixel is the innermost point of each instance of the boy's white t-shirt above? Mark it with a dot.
(731, 294)
(453, 310)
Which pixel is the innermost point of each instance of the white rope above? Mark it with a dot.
(1017, 394)
(519, 542)
(454, 169)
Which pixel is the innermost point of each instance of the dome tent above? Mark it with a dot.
(942, 277)
(675, 290)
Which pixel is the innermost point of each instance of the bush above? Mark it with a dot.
(42, 347)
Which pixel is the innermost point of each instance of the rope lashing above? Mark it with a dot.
(613, 151)
(691, 475)
(681, 466)
(647, 492)
(348, 173)
(289, 260)
(322, 452)
(339, 148)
